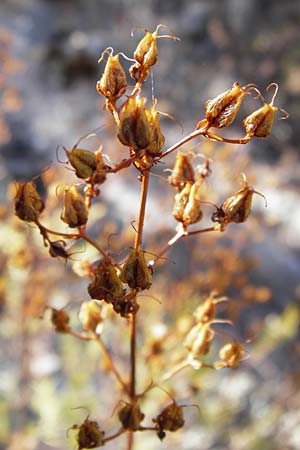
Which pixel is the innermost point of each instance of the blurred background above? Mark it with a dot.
(48, 71)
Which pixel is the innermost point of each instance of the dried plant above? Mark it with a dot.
(117, 285)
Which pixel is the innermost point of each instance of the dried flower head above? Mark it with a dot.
(89, 435)
(106, 284)
(222, 110)
(198, 340)
(170, 419)
(260, 122)
(182, 172)
(113, 82)
(28, 202)
(83, 161)
(135, 130)
(75, 212)
(131, 416)
(135, 271)
(206, 311)
(231, 355)
(157, 138)
(237, 207)
(60, 320)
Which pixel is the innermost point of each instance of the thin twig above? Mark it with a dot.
(91, 241)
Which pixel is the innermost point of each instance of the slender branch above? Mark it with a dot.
(181, 233)
(184, 140)
(57, 233)
(141, 218)
(122, 165)
(114, 436)
(214, 137)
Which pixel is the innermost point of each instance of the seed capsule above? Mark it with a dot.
(237, 207)
(131, 417)
(135, 271)
(89, 435)
(222, 110)
(206, 311)
(192, 212)
(75, 212)
(113, 82)
(106, 284)
(90, 316)
(182, 172)
(198, 340)
(83, 161)
(260, 122)
(28, 202)
(232, 354)
(60, 320)
(146, 51)
(170, 419)
(135, 129)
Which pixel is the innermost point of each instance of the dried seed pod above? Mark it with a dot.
(131, 417)
(181, 200)
(170, 419)
(182, 172)
(135, 271)
(99, 175)
(222, 110)
(135, 129)
(83, 161)
(192, 211)
(89, 435)
(157, 138)
(260, 122)
(198, 340)
(60, 320)
(237, 207)
(106, 284)
(231, 355)
(28, 202)
(146, 53)
(113, 82)
(206, 312)
(75, 212)
(90, 316)
(125, 306)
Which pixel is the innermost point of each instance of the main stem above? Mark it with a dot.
(138, 240)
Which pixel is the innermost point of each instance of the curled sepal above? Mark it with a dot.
(131, 416)
(135, 130)
(182, 172)
(222, 110)
(28, 202)
(170, 419)
(113, 82)
(237, 207)
(91, 317)
(135, 271)
(75, 212)
(260, 122)
(89, 435)
(106, 284)
(60, 320)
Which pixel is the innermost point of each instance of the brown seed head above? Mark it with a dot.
(171, 418)
(157, 138)
(182, 172)
(131, 417)
(89, 435)
(135, 130)
(75, 212)
(146, 53)
(106, 284)
(83, 161)
(113, 82)
(135, 271)
(60, 320)
(192, 211)
(232, 354)
(28, 203)
(181, 200)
